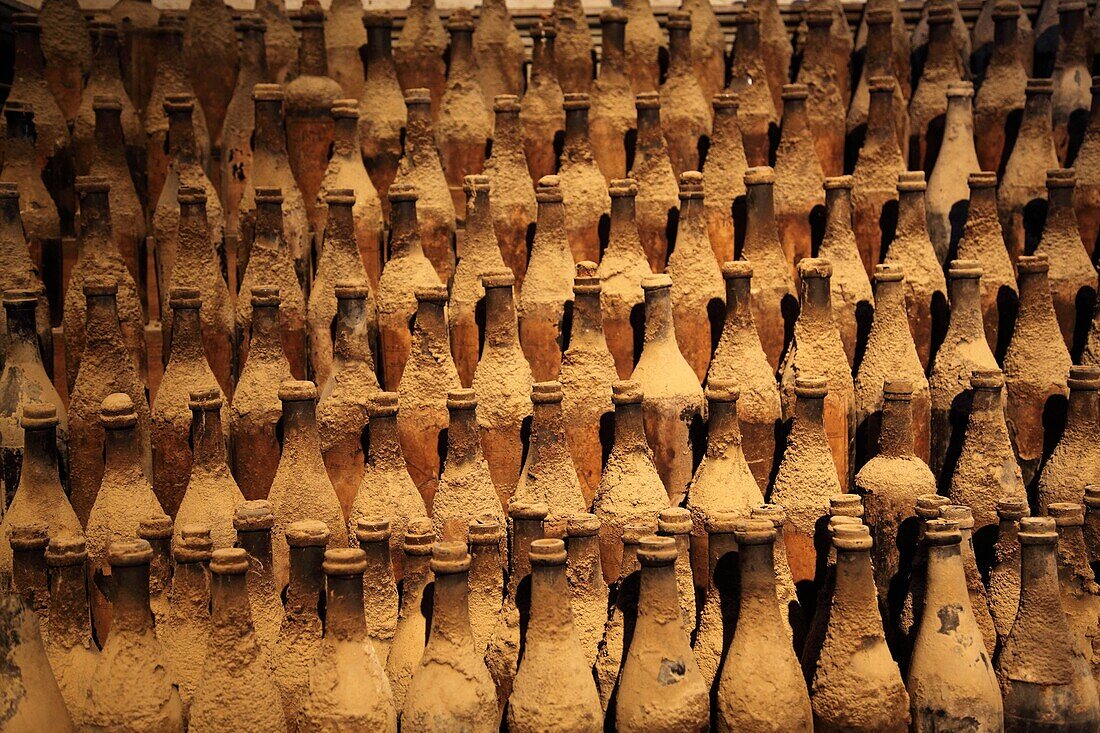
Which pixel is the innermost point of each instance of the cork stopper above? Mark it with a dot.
(498, 279)
(506, 103)
(431, 294)
(106, 102)
(722, 522)
(229, 561)
(575, 101)
(382, 404)
(484, 531)
(294, 390)
(38, 416)
(888, 273)
(1067, 514)
(254, 516)
(835, 182)
(475, 184)
(726, 101)
(449, 558)
(92, 184)
(417, 96)
(942, 532)
(402, 192)
(307, 533)
(1011, 508)
(964, 270)
(1038, 531)
(461, 399)
(852, 537)
(811, 387)
(674, 520)
(344, 562)
(737, 270)
(755, 532)
(897, 389)
(340, 196)
(960, 514)
(156, 527)
(548, 190)
(760, 175)
(582, 525)
(991, 379)
(846, 505)
(269, 196)
(810, 268)
(524, 510)
(116, 412)
(547, 552)
(66, 550)
(656, 282)
(345, 109)
(29, 537)
(419, 537)
(193, 544)
(129, 553)
(184, 298)
(795, 92)
(691, 185)
(1031, 264)
(622, 187)
(722, 390)
(656, 551)
(1035, 87)
(1082, 378)
(545, 393)
(647, 100)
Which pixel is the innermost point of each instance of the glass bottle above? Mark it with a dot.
(883, 39)
(541, 113)
(253, 522)
(67, 49)
(41, 706)
(912, 607)
(1022, 195)
(211, 495)
(1000, 98)
(70, 648)
(137, 23)
(657, 205)
(156, 529)
(511, 196)
(719, 608)
(583, 189)
(799, 176)
(955, 159)
(29, 573)
(724, 176)
(1092, 522)
(621, 271)
(1086, 198)
(587, 584)
(573, 56)
(1061, 479)
(963, 518)
(675, 522)
(794, 621)
(849, 285)
(687, 116)
(281, 51)
(645, 46)
(1072, 96)
(1080, 593)
(420, 52)
(382, 114)
(240, 119)
(412, 623)
(758, 109)
(824, 72)
(372, 534)
(929, 103)
(874, 179)
(1072, 274)
(612, 116)
(622, 617)
(499, 50)
(1004, 576)
(210, 42)
(708, 47)
(486, 541)
(186, 628)
(548, 474)
(344, 36)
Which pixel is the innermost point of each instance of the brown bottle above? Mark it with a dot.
(621, 271)
(883, 40)
(645, 46)
(659, 649)
(344, 36)
(1003, 589)
(929, 103)
(817, 349)
(1086, 198)
(109, 370)
(622, 616)
(412, 623)
(300, 633)
(502, 382)
(450, 660)
(587, 583)
(807, 475)
(1045, 678)
(351, 383)
(466, 488)
(420, 51)
(657, 205)
(890, 354)
(29, 576)
(281, 52)
(170, 414)
(270, 168)
(380, 605)
(339, 262)
(100, 259)
(708, 46)
(212, 495)
(67, 49)
(132, 680)
(964, 350)
(912, 251)
(1072, 96)
(583, 189)
(463, 126)
(1000, 98)
(758, 107)
(551, 647)
(420, 167)
(724, 175)
(480, 256)
(963, 518)
(301, 488)
(486, 541)
(687, 116)
(798, 176)
(849, 285)
(573, 57)
(955, 159)
(186, 628)
(1080, 594)
(760, 627)
(382, 114)
(1036, 365)
(499, 50)
(824, 72)
(890, 483)
(912, 608)
(309, 98)
(511, 197)
(1072, 464)
(210, 42)
(237, 687)
(253, 522)
(429, 374)
(548, 474)
(541, 113)
(874, 180)
(156, 529)
(1072, 275)
(794, 621)
(720, 605)
(675, 522)
(1092, 522)
(587, 373)
(71, 650)
(256, 410)
(986, 469)
(1022, 193)
(346, 171)
(272, 266)
(740, 360)
(857, 685)
(612, 117)
(951, 680)
(19, 272)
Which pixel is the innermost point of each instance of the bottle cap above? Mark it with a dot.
(1067, 514)
(417, 96)
(116, 412)
(382, 404)
(402, 192)
(1039, 87)
(1082, 378)
(1032, 264)
(340, 196)
(722, 390)
(38, 416)
(647, 100)
(547, 552)
(545, 393)
(369, 530)
(344, 561)
(352, 290)
(431, 294)
(814, 267)
(678, 20)
(66, 550)
(29, 537)
(691, 185)
(898, 389)
(528, 510)
(106, 102)
(964, 269)
(229, 561)
(846, 505)
(346, 109)
(622, 187)
(959, 514)
(498, 279)
(774, 513)
(449, 558)
(100, 288)
(156, 527)
(722, 522)
(184, 298)
(193, 544)
(506, 103)
(811, 387)
(942, 532)
(991, 379)
(92, 184)
(253, 516)
(852, 537)
(725, 101)
(837, 182)
(475, 184)
(755, 532)
(575, 101)
(928, 505)
(655, 551)
(888, 273)
(760, 175)
(548, 190)
(271, 196)
(674, 520)
(267, 93)
(294, 390)
(307, 533)
(461, 399)
(484, 531)
(1011, 508)
(1092, 497)
(795, 92)
(582, 525)
(737, 270)
(1038, 531)
(656, 282)
(129, 553)
(419, 537)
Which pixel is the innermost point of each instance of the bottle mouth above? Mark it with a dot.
(755, 532)
(307, 533)
(547, 552)
(254, 515)
(484, 531)
(229, 561)
(449, 558)
(372, 529)
(582, 525)
(129, 553)
(344, 561)
(657, 551)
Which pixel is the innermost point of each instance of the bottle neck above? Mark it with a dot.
(623, 234)
(352, 345)
(613, 59)
(760, 226)
(746, 46)
(809, 411)
(450, 609)
(312, 55)
(479, 221)
(181, 138)
(508, 137)
(1039, 608)
(946, 583)
(524, 532)
(547, 430)
(1004, 41)
(340, 229)
(739, 303)
(895, 437)
(257, 544)
(658, 317)
(880, 50)
(105, 58)
(300, 427)
(854, 592)
(345, 138)
(966, 313)
(463, 437)
(22, 336)
(576, 130)
(207, 439)
(587, 317)
(108, 130)
(817, 305)
(268, 135)
(500, 317)
(418, 133)
(462, 55)
(959, 125)
(1073, 42)
(28, 52)
(1061, 218)
(379, 49)
(383, 448)
(130, 599)
(941, 49)
(658, 598)
(880, 120)
(39, 471)
(96, 238)
(170, 53)
(650, 137)
(344, 618)
(405, 239)
(795, 122)
(1036, 122)
(266, 343)
(724, 429)
(756, 563)
(912, 220)
(630, 429)
(253, 57)
(68, 619)
(269, 226)
(229, 600)
(679, 52)
(123, 450)
(1082, 412)
(986, 406)
(431, 325)
(186, 338)
(838, 214)
(551, 615)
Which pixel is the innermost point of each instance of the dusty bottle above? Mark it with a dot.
(548, 475)
(1072, 96)
(240, 118)
(29, 574)
(237, 687)
(929, 103)
(70, 648)
(502, 382)
(883, 39)
(209, 42)
(301, 488)
(511, 197)
(708, 47)
(499, 51)
(807, 475)
(573, 56)
(675, 522)
(100, 259)
(20, 273)
(39, 705)
(621, 271)
(281, 52)
(339, 262)
(133, 659)
(759, 106)
(340, 415)
(824, 72)
(420, 52)
(271, 266)
(587, 585)
(644, 45)
(422, 400)
(724, 176)
(41, 221)
(344, 36)
(687, 116)
(849, 285)
(67, 49)
(450, 660)
(187, 369)
(964, 350)
(382, 114)
(1000, 98)
(1003, 590)
(1069, 467)
(986, 469)
(1080, 593)
(212, 495)
(583, 189)
(309, 98)
(794, 621)
(740, 359)
(380, 606)
(486, 541)
(110, 371)
(683, 696)
(1092, 522)
(1086, 198)
(890, 483)
(912, 607)
(346, 171)
(963, 518)
(612, 116)
(156, 529)
(657, 205)
(890, 354)
(270, 169)
(421, 168)
(1022, 195)
(1058, 693)
(412, 624)
(253, 522)
(541, 113)
(874, 180)
(104, 79)
(1036, 365)
(256, 410)
(798, 176)
(186, 628)
(955, 159)
(721, 601)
